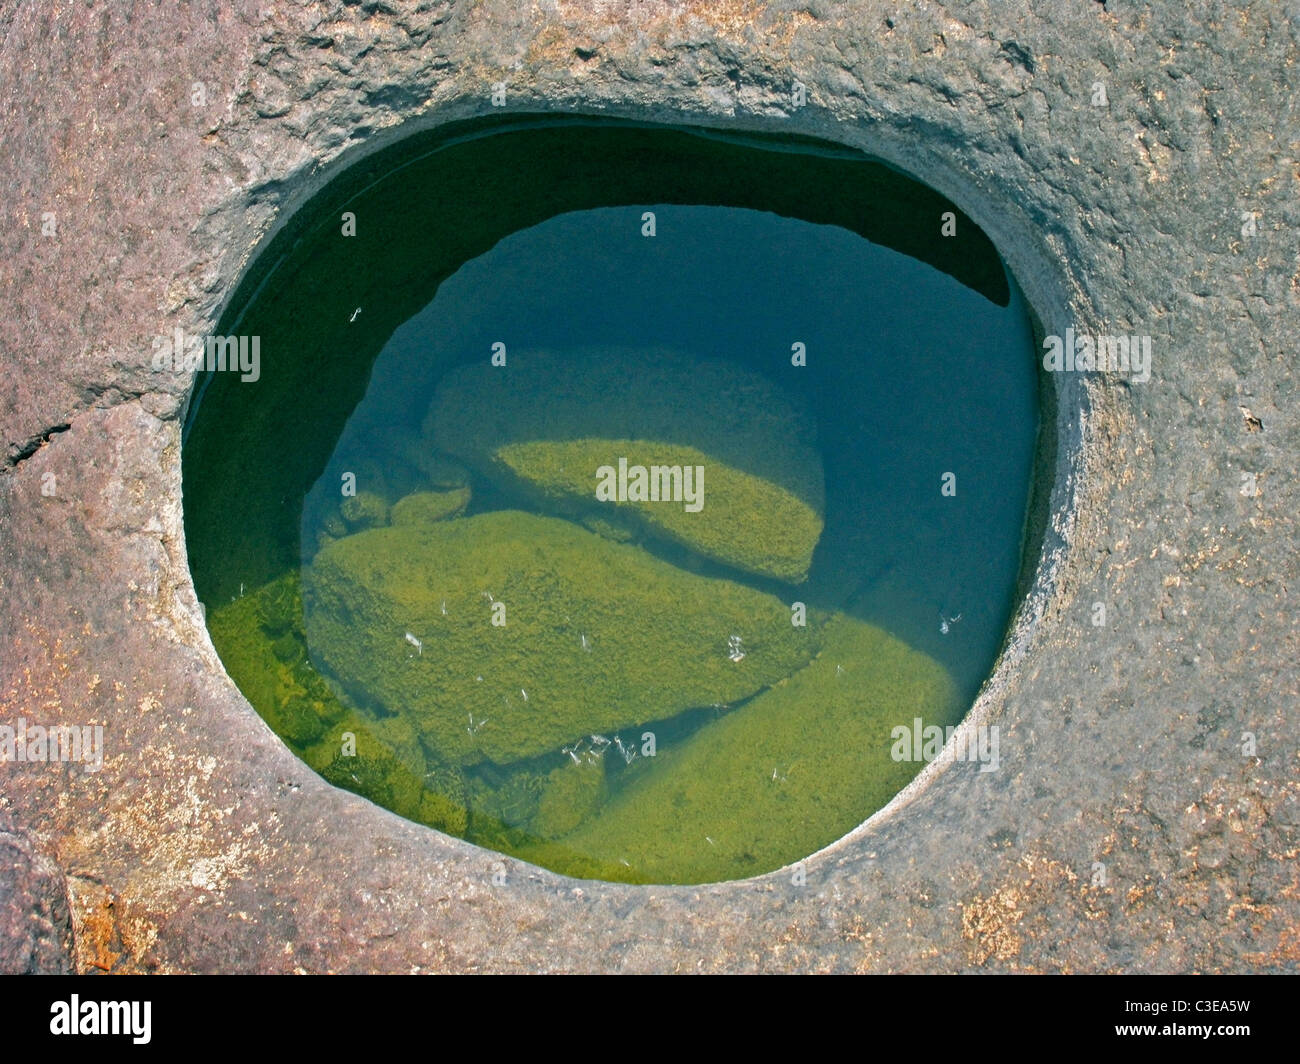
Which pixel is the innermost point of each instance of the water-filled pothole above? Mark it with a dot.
(617, 497)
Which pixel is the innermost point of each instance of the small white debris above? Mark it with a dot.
(419, 646)
(735, 651)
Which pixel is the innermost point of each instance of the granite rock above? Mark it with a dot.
(149, 150)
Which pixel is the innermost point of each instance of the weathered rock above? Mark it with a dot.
(228, 855)
(501, 636)
(547, 423)
(35, 921)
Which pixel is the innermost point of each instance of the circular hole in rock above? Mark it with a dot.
(645, 503)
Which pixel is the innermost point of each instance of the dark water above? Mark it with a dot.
(364, 615)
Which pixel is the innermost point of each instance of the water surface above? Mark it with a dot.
(408, 570)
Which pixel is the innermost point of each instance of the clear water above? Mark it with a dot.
(435, 608)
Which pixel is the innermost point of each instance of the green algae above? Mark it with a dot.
(383, 761)
(504, 635)
(765, 785)
(744, 521)
(617, 530)
(798, 764)
(571, 794)
(425, 507)
(259, 637)
(760, 441)
(263, 650)
(366, 509)
(505, 800)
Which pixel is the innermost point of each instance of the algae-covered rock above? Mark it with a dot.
(399, 737)
(259, 641)
(510, 799)
(287, 648)
(353, 757)
(334, 526)
(618, 531)
(442, 812)
(775, 780)
(742, 519)
(425, 507)
(279, 605)
(382, 761)
(545, 424)
(505, 635)
(573, 792)
(365, 509)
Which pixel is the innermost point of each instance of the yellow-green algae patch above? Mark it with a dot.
(738, 419)
(505, 635)
(743, 520)
(776, 779)
(259, 639)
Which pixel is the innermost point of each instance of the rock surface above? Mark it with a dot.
(1169, 208)
(35, 921)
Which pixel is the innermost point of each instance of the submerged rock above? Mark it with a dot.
(425, 507)
(572, 793)
(771, 782)
(366, 509)
(441, 471)
(374, 759)
(545, 425)
(506, 635)
(260, 642)
(742, 520)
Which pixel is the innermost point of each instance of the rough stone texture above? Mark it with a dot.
(204, 845)
(35, 924)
